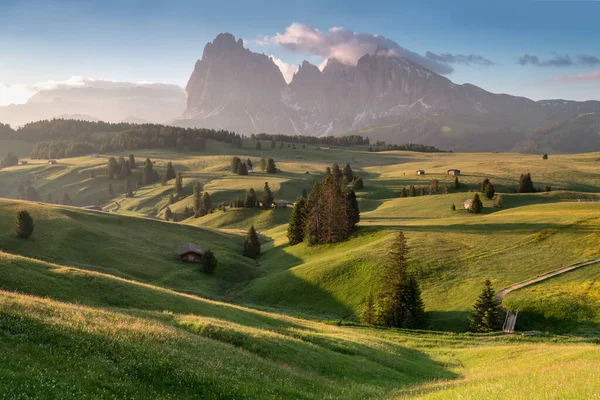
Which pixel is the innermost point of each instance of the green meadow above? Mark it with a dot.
(97, 303)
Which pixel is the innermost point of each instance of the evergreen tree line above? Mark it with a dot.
(350, 140)
(61, 149)
(9, 160)
(421, 148)
(251, 199)
(328, 215)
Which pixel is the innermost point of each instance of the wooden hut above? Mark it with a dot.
(190, 252)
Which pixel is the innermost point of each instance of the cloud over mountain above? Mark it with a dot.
(589, 77)
(346, 45)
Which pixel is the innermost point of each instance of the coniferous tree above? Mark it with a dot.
(198, 209)
(352, 211)
(486, 315)
(525, 184)
(489, 191)
(267, 199)
(476, 205)
(249, 164)
(111, 192)
(132, 163)
(149, 176)
(208, 264)
(412, 192)
(422, 191)
(328, 171)
(258, 145)
(178, 183)
(263, 164)
(545, 156)
(348, 173)
(403, 192)
(304, 194)
(271, 167)
(484, 184)
(235, 163)
(251, 244)
(399, 303)
(337, 174)
(242, 170)
(358, 183)
(114, 169)
(168, 214)
(251, 200)
(206, 203)
(313, 215)
(272, 144)
(456, 183)
(24, 225)
(295, 232)
(9, 160)
(170, 173)
(368, 314)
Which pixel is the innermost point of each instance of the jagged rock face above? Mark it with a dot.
(233, 88)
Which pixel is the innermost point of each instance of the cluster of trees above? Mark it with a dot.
(421, 148)
(251, 199)
(349, 140)
(9, 160)
(328, 215)
(202, 201)
(488, 189)
(61, 149)
(243, 167)
(149, 136)
(399, 303)
(525, 184)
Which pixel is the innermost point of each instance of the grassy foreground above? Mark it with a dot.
(100, 336)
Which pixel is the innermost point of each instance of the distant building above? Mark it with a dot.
(454, 172)
(22, 162)
(190, 252)
(95, 155)
(468, 204)
(420, 172)
(280, 203)
(51, 161)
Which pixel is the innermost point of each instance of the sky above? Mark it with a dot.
(537, 49)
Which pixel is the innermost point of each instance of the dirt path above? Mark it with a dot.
(500, 296)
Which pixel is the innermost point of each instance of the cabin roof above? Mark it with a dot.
(190, 248)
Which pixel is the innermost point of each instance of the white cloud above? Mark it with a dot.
(19, 93)
(288, 70)
(346, 45)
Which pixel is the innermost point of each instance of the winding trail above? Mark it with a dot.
(511, 317)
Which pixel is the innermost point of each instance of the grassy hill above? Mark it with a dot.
(71, 332)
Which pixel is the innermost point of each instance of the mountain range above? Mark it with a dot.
(383, 96)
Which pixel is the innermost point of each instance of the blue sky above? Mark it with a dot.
(160, 41)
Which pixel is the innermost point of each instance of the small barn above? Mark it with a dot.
(52, 161)
(453, 171)
(468, 204)
(420, 172)
(190, 252)
(280, 203)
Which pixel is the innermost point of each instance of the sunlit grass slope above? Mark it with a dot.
(567, 303)
(129, 247)
(95, 335)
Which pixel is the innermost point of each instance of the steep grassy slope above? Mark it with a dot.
(129, 247)
(126, 339)
(567, 303)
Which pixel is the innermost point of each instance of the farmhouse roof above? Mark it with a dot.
(190, 248)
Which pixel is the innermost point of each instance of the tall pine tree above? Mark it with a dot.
(295, 232)
(486, 315)
(251, 244)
